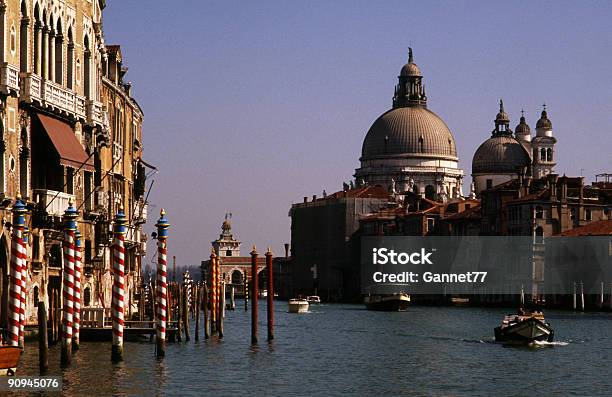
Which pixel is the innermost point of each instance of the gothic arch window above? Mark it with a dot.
(86, 69)
(87, 296)
(24, 41)
(35, 296)
(37, 38)
(543, 154)
(59, 53)
(44, 46)
(13, 40)
(50, 49)
(549, 154)
(24, 164)
(70, 61)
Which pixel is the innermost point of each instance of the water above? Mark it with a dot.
(344, 349)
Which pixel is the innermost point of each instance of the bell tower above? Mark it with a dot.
(543, 147)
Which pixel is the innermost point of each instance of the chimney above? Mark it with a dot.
(305, 199)
(581, 189)
(286, 250)
(314, 197)
(564, 188)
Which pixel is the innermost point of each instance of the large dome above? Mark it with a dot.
(410, 131)
(500, 154)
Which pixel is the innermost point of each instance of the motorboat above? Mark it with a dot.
(298, 305)
(313, 299)
(9, 359)
(397, 302)
(524, 327)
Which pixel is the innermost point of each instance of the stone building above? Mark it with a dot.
(506, 154)
(56, 91)
(409, 147)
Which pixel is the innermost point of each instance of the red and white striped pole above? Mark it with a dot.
(23, 253)
(76, 324)
(213, 288)
(118, 303)
(70, 216)
(14, 323)
(162, 283)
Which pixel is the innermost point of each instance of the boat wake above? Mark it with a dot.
(549, 344)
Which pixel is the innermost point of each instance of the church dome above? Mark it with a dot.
(522, 128)
(409, 131)
(411, 68)
(544, 122)
(500, 154)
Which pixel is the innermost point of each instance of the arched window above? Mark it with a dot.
(44, 48)
(543, 154)
(37, 38)
(59, 54)
(535, 154)
(23, 39)
(51, 50)
(70, 61)
(87, 296)
(421, 145)
(24, 164)
(13, 40)
(587, 214)
(539, 235)
(86, 69)
(416, 189)
(549, 154)
(36, 296)
(539, 212)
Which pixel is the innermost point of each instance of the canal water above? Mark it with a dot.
(344, 349)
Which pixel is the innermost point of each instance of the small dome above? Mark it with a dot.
(522, 128)
(409, 130)
(502, 117)
(411, 68)
(226, 225)
(544, 122)
(500, 154)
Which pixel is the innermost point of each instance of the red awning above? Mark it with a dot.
(66, 144)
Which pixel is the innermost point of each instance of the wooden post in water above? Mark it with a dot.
(205, 307)
(232, 299)
(221, 308)
(601, 297)
(270, 274)
(43, 342)
(582, 295)
(186, 313)
(574, 297)
(179, 313)
(196, 303)
(254, 292)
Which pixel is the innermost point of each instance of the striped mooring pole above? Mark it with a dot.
(14, 328)
(78, 263)
(162, 283)
(70, 216)
(213, 289)
(24, 282)
(118, 285)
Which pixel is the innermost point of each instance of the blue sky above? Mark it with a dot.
(249, 106)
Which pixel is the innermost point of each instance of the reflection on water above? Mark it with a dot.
(338, 349)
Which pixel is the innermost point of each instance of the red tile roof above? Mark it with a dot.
(599, 228)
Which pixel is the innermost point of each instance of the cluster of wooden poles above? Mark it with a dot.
(209, 301)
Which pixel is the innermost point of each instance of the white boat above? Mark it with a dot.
(313, 299)
(397, 302)
(298, 305)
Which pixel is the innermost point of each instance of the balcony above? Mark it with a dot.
(140, 212)
(53, 96)
(95, 115)
(9, 79)
(31, 88)
(55, 203)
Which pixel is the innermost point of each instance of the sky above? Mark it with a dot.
(250, 106)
